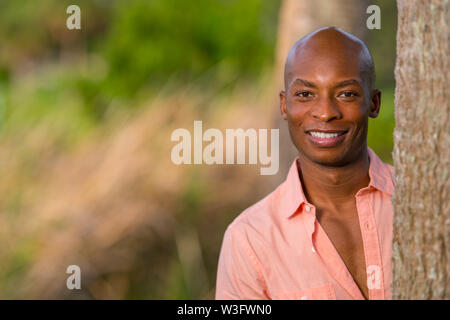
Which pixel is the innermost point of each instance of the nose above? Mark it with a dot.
(326, 110)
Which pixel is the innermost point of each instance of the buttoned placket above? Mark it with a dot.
(310, 224)
(308, 210)
(371, 243)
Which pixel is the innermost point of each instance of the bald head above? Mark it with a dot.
(330, 43)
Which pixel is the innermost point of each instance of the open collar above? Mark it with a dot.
(293, 196)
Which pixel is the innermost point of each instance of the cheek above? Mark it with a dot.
(360, 122)
(295, 112)
(357, 114)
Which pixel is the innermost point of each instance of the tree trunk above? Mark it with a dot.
(421, 240)
(297, 18)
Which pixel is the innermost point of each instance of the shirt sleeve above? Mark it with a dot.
(238, 274)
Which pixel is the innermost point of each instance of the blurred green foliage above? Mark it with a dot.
(143, 44)
(152, 40)
(382, 46)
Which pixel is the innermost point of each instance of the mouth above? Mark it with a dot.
(326, 138)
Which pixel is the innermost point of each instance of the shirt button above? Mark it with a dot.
(368, 226)
(304, 298)
(307, 208)
(313, 250)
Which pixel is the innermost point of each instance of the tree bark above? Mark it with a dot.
(297, 19)
(421, 152)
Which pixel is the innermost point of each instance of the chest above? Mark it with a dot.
(343, 230)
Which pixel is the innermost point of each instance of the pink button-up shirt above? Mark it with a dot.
(276, 249)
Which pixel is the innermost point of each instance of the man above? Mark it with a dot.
(326, 232)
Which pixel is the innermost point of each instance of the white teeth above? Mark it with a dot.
(323, 135)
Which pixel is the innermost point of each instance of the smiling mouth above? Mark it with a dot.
(326, 139)
(326, 135)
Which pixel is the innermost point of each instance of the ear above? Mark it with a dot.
(375, 103)
(283, 104)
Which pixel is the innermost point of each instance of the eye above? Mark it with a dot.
(348, 94)
(303, 94)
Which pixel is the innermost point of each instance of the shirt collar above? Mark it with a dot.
(380, 173)
(293, 196)
(292, 192)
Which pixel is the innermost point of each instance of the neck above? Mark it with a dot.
(334, 187)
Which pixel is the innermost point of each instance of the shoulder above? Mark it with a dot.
(258, 214)
(256, 221)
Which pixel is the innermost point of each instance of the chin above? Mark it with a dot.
(331, 157)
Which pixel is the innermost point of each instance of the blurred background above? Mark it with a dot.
(85, 123)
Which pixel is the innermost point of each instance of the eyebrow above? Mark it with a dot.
(348, 83)
(341, 84)
(304, 82)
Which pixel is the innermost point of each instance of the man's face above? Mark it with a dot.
(326, 91)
